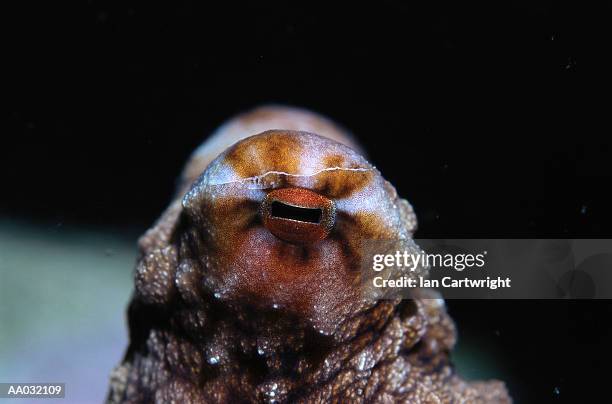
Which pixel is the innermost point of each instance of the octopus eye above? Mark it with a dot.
(281, 210)
(298, 215)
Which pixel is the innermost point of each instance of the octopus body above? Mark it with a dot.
(247, 288)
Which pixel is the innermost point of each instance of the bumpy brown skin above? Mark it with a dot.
(224, 311)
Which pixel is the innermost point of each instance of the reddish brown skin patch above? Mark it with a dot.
(286, 274)
(243, 214)
(340, 184)
(275, 150)
(335, 160)
(298, 231)
(370, 225)
(268, 270)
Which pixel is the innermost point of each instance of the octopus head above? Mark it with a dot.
(280, 218)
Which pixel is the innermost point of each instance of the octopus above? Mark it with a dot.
(247, 288)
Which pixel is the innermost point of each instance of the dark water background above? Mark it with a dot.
(492, 118)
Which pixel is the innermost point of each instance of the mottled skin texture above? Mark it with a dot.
(235, 302)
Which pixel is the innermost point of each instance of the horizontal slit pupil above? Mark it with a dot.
(284, 211)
